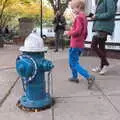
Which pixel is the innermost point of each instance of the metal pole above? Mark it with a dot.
(41, 19)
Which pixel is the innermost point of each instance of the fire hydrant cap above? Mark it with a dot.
(33, 43)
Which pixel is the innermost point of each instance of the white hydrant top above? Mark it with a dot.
(33, 43)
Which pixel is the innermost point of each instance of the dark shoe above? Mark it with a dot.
(74, 80)
(55, 50)
(91, 81)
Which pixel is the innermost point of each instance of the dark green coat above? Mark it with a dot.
(105, 14)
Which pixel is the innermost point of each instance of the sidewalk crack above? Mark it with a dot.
(8, 93)
(105, 96)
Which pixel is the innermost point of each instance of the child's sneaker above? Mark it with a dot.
(74, 80)
(104, 70)
(96, 69)
(91, 81)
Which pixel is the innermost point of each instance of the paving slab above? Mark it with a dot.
(109, 87)
(7, 80)
(10, 111)
(8, 56)
(115, 100)
(64, 88)
(85, 108)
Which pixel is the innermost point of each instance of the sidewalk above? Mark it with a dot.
(73, 101)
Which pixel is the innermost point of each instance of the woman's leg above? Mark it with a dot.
(56, 40)
(104, 60)
(62, 39)
(98, 45)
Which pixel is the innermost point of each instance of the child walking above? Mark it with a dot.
(78, 34)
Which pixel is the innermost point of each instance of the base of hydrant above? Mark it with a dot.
(19, 105)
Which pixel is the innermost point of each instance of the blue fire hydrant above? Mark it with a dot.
(31, 67)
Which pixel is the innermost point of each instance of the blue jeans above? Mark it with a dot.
(74, 54)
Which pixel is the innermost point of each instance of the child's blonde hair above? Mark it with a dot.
(78, 3)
